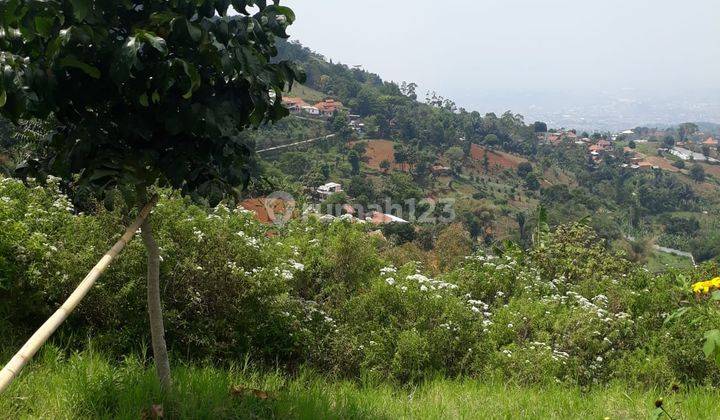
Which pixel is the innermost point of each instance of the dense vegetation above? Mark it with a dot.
(334, 298)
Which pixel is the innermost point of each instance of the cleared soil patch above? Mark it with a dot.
(496, 159)
(662, 163)
(379, 150)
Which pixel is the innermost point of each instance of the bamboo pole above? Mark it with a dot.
(12, 369)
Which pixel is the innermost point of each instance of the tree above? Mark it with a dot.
(455, 154)
(532, 182)
(669, 142)
(524, 169)
(540, 127)
(631, 144)
(492, 140)
(354, 159)
(697, 173)
(385, 165)
(486, 162)
(685, 130)
(145, 93)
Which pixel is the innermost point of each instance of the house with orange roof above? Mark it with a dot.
(294, 104)
(710, 142)
(328, 107)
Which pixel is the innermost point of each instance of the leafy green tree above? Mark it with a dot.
(686, 130)
(697, 173)
(669, 142)
(385, 165)
(455, 154)
(145, 93)
(540, 127)
(524, 169)
(486, 162)
(354, 159)
(532, 182)
(492, 140)
(631, 144)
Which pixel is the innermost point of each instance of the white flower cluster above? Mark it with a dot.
(249, 240)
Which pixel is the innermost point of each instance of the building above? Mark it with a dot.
(378, 218)
(294, 105)
(710, 142)
(311, 110)
(328, 107)
(440, 170)
(685, 154)
(329, 188)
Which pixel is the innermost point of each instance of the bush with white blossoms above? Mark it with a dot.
(321, 294)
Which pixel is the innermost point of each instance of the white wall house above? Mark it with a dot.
(329, 188)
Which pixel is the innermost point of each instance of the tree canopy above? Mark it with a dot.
(145, 91)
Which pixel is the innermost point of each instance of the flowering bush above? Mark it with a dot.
(321, 294)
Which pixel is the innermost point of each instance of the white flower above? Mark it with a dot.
(423, 288)
(390, 281)
(387, 270)
(297, 266)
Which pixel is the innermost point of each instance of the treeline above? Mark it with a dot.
(393, 110)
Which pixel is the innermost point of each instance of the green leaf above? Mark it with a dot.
(43, 25)
(155, 97)
(716, 295)
(71, 61)
(155, 41)
(3, 96)
(675, 315)
(80, 8)
(144, 100)
(194, 31)
(194, 76)
(712, 342)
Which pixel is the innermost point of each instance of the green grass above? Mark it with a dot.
(86, 385)
(659, 262)
(307, 93)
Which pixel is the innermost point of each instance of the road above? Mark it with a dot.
(285, 146)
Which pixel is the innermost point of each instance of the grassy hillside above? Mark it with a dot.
(307, 93)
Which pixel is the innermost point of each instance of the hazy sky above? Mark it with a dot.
(466, 49)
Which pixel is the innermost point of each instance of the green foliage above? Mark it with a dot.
(145, 91)
(318, 293)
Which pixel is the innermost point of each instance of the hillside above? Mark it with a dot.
(567, 174)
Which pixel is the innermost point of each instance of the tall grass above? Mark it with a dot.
(87, 385)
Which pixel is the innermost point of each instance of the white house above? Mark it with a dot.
(686, 154)
(329, 188)
(311, 110)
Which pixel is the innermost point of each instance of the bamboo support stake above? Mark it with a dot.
(12, 369)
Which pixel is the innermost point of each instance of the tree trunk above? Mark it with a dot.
(157, 328)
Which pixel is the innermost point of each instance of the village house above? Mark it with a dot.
(310, 110)
(294, 105)
(710, 142)
(329, 188)
(440, 170)
(378, 218)
(685, 154)
(328, 107)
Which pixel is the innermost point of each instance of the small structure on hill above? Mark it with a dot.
(328, 107)
(329, 188)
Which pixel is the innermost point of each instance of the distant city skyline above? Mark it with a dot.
(620, 63)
